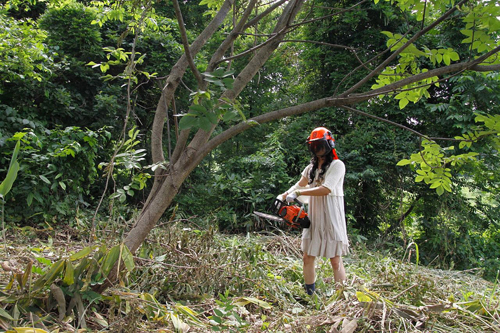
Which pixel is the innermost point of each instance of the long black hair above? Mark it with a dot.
(324, 167)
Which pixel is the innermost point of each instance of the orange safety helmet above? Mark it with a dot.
(321, 138)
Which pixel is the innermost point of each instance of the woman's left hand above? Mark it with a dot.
(292, 196)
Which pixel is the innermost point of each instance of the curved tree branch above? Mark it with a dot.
(340, 102)
(467, 65)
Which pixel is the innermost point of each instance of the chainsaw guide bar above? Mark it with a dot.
(269, 216)
(294, 216)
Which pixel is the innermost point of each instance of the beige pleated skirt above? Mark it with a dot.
(327, 235)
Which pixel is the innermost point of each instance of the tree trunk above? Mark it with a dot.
(167, 182)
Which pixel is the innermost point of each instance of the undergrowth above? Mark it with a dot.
(186, 279)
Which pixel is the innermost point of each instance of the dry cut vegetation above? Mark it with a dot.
(190, 280)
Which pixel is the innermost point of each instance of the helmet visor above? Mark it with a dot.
(319, 147)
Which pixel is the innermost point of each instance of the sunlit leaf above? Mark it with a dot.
(362, 297)
(28, 330)
(82, 253)
(246, 300)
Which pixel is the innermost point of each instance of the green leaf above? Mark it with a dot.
(440, 190)
(11, 176)
(128, 258)
(198, 108)
(213, 80)
(27, 274)
(82, 253)
(447, 187)
(188, 122)
(403, 102)
(28, 330)
(228, 83)
(188, 312)
(362, 297)
(403, 162)
(229, 115)
(5, 315)
(446, 59)
(42, 177)
(49, 277)
(84, 264)
(212, 117)
(205, 124)
(110, 259)
(6, 185)
(436, 184)
(228, 73)
(421, 172)
(69, 274)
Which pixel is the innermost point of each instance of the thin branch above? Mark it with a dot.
(229, 41)
(402, 48)
(363, 65)
(185, 43)
(345, 10)
(319, 43)
(250, 50)
(130, 67)
(255, 35)
(385, 121)
(351, 49)
(259, 17)
(291, 27)
(405, 127)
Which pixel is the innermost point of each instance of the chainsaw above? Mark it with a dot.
(294, 216)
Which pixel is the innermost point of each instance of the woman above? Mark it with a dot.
(322, 180)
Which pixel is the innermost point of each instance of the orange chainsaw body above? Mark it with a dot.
(293, 215)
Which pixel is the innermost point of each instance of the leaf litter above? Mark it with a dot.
(190, 280)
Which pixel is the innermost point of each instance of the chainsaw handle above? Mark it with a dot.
(301, 204)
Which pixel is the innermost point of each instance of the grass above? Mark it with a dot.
(194, 280)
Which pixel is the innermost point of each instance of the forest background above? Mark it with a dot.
(83, 86)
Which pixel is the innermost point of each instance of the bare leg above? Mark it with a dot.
(308, 268)
(338, 269)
